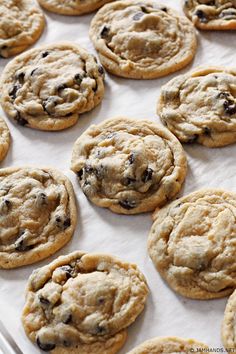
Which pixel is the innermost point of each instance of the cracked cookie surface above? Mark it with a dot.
(21, 24)
(47, 88)
(212, 14)
(142, 40)
(192, 244)
(200, 106)
(83, 303)
(37, 214)
(228, 329)
(169, 345)
(72, 7)
(129, 166)
(5, 139)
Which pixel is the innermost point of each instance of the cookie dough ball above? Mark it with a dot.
(37, 214)
(83, 303)
(169, 345)
(200, 106)
(192, 244)
(129, 166)
(21, 24)
(48, 87)
(211, 14)
(142, 40)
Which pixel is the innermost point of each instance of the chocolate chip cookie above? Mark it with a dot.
(228, 326)
(142, 39)
(200, 106)
(5, 139)
(83, 303)
(21, 24)
(212, 14)
(47, 88)
(37, 214)
(129, 166)
(192, 244)
(169, 345)
(72, 7)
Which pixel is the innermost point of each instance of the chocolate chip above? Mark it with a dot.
(192, 139)
(49, 104)
(14, 90)
(42, 198)
(67, 319)
(100, 329)
(67, 223)
(131, 159)
(78, 78)
(127, 181)
(127, 204)
(104, 32)
(144, 9)
(207, 131)
(100, 70)
(229, 107)
(80, 174)
(45, 346)
(20, 77)
(89, 169)
(7, 203)
(45, 54)
(61, 87)
(164, 9)
(19, 246)
(147, 175)
(20, 120)
(202, 16)
(44, 301)
(228, 14)
(33, 71)
(68, 270)
(101, 300)
(223, 95)
(137, 16)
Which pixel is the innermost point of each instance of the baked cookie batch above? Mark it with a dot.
(84, 303)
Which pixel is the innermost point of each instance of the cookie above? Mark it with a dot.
(211, 14)
(142, 39)
(37, 214)
(48, 87)
(200, 106)
(83, 303)
(129, 166)
(72, 7)
(5, 139)
(170, 345)
(21, 24)
(192, 244)
(228, 326)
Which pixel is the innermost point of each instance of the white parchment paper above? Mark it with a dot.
(125, 236)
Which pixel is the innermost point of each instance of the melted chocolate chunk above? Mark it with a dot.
(33, 71)
(100, 330)
(45, 54)
(19, 246)
(61, 87)
(20, 77)
(104, 32)
(68, 270)
(202, 16)
(207, 131)
(14, 90)
(164, 9)
(78, 78)
(89, 169)
(80, 174)
(67, 223)
(44, 301)
(131, 159)
(223, 95)
(137, 16)
(101, 70)
(128, 181)
(20, 120)
(67, 319)
(127, 204)
(144, 9)
(45, 346)
(228, 14)
(42, 198)
(147, 175)
(229, 107)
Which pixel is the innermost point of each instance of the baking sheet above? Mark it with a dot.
(100, 230)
